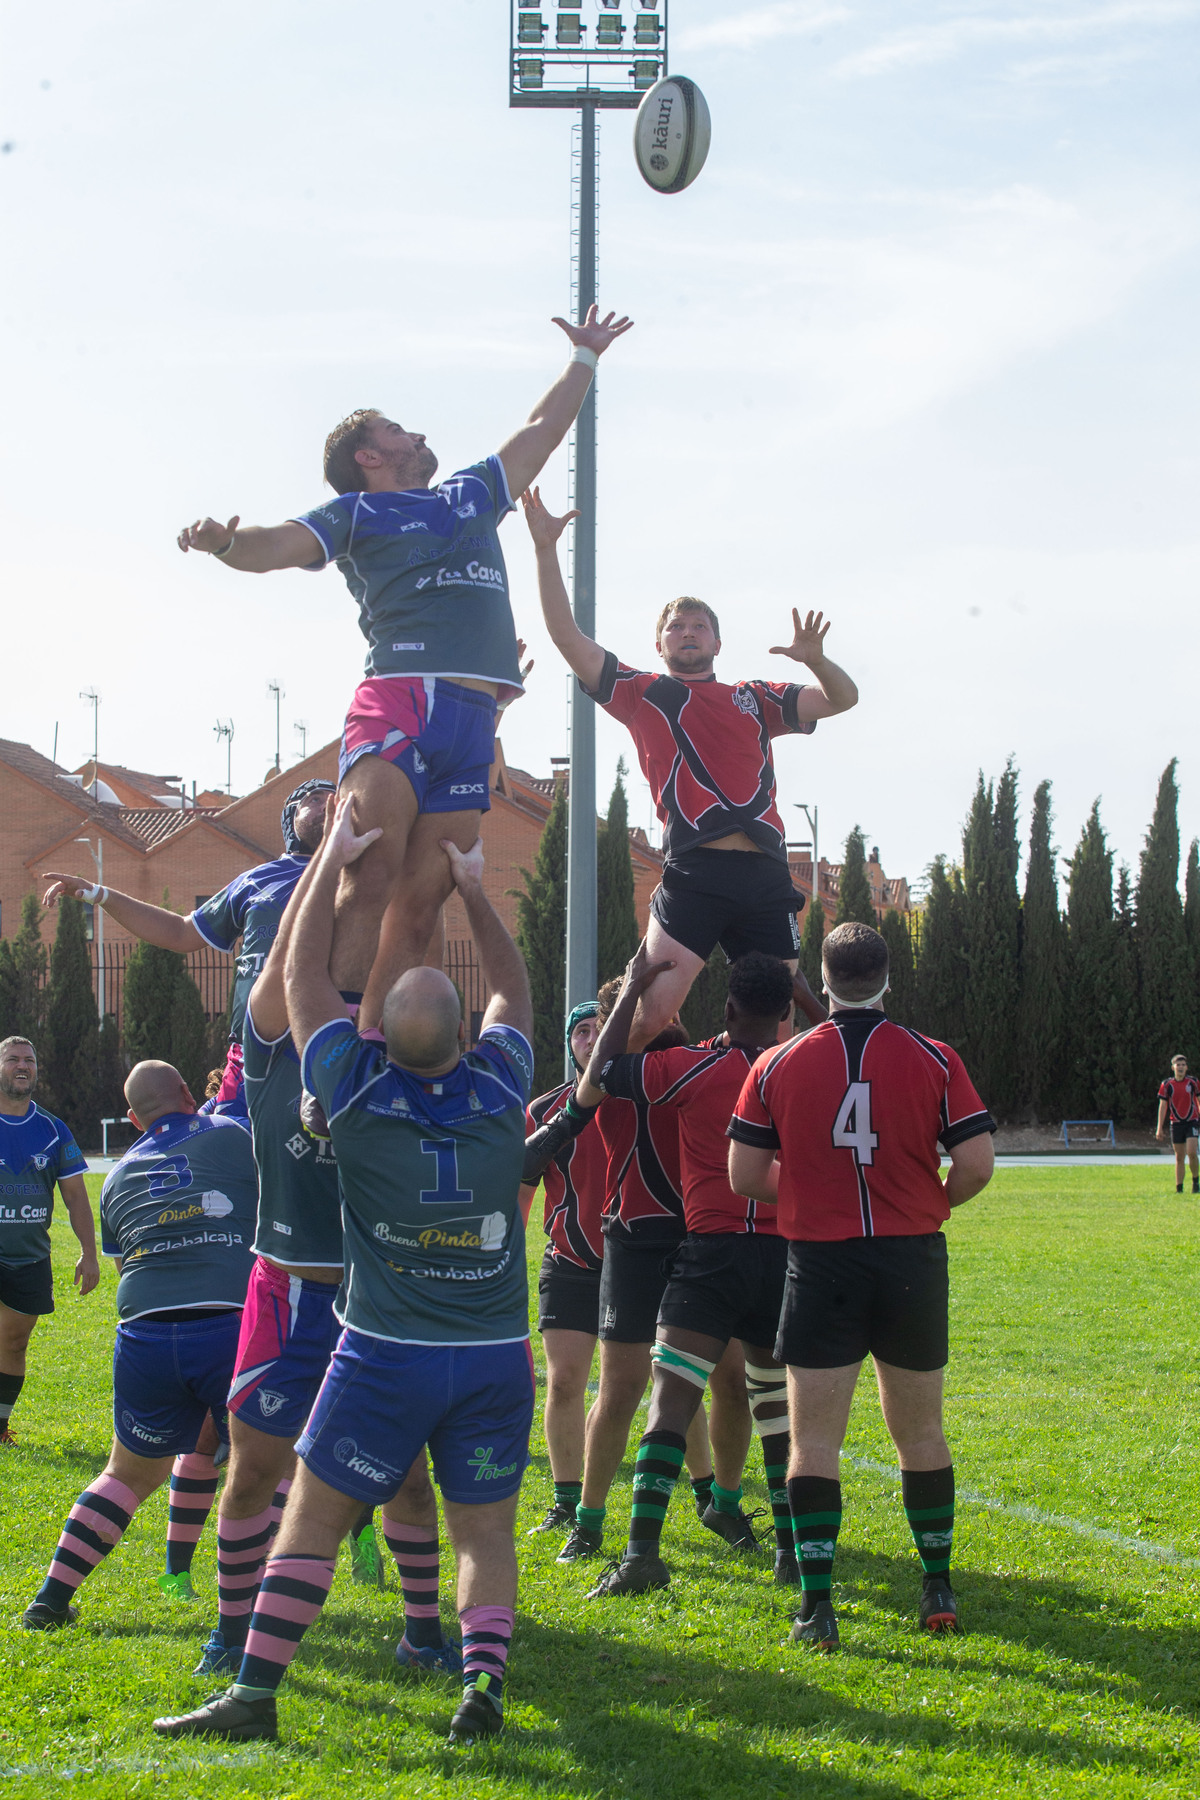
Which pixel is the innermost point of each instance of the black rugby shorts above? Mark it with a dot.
(1183, 1129)
(886, 1296)
(727, 1285)
(27, 1287)
(740, 899)
(568, 1297)
(632, 1281)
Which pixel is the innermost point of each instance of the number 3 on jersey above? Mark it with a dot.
(852, 1127)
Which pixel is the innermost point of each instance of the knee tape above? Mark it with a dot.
(766, 1387)
(682, 1363)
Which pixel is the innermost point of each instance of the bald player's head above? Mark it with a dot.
(422, 1022)
(155, 1088)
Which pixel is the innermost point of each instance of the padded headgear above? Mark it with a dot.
(287, 819)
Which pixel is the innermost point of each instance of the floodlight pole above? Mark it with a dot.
(581, 817)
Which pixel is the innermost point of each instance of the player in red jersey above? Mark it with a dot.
(1179, 1100)
(569, 1279)
(727, 1278)
(842, 1128)
(705, 748)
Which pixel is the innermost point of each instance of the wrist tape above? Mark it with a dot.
(94, 896)
(581, 354)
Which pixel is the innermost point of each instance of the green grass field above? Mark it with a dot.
(1072, 1408)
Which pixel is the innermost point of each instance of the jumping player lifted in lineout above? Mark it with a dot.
(425, 566)
(705, 748)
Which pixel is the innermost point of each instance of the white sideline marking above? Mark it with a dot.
(1033, 1515)
(139, 1765)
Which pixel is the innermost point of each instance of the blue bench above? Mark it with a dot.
(1106, 1125)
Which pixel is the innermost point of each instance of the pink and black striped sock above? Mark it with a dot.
(416, 1552)
(279, 1501)
(486, 1634)
(97, 1521)
(193, 1490)
(293, 1591)
(242, 1546)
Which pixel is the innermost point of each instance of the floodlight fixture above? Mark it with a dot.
(568, 29)
(530, 29)
(586, 60)
(529, 72)
(609, 30)
(646, 29)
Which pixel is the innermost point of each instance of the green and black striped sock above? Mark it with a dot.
(568, 1494)
(929, 1508)
(816, 1504)
(775, 1461)
(655, 1472)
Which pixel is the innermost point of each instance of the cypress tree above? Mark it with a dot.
(1041, 1017)
(1162, 950)
(811, 939)
(22, 977)
(855, 899)
(189, 1033)
(941, 965)
(110, 1071)
(1128, 1106)
(151, 978)
(1101, 993)
(70, 1064)
(542, 937)
(901, 1002)
(1191, 908)
(702, 1014)
(617, 926)
(991, 915)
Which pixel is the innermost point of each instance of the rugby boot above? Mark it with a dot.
(557, 1519)
(939, 1608)
(7, 1440)
(218, 1657)
(819, 1631)
(312, 1117)
(366, 1564)
(581, 1543)
(40, 1617)
(736, 1528)
(478, 1715)
(430, 1659)
(632, 1575)
(177, 1586)
(224, 1716)
(787, 1569)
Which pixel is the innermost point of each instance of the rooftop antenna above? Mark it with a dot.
(93, 700)
(301, 727)
(277, 688)
(226, 731)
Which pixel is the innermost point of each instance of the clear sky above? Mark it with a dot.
(919, 347)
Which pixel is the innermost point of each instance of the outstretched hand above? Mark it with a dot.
(544, 528)
(466, 866)
(808, 641)
(74, 885)
(596, 333)
(342, 844)
(208, 535)
(641, 973)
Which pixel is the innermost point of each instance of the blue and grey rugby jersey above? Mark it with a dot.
(299, 1200)
(36, 1151)
(430, 1170)
(250, 908)
(427, 571)
(178, 1209)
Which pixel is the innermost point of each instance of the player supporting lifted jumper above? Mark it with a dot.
(427, 571)
(1179, 1101)
(430, 1144)
(177, 1214)
(854, 1112)
(37, 1153)
(705, 748)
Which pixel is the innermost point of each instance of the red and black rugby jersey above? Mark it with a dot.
(702, 1086)
(1180, 1097)
(705, 749)
(643, 1197)
(574, 1182)
(856, 1109)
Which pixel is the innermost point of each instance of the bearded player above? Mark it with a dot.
(426, 569)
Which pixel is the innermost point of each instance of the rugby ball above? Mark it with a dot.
(671, 134)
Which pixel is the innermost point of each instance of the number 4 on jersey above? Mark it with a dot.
(852, 1127)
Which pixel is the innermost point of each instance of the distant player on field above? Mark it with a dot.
(1179, 1101)
(841, 1127)
(425, 567)
(705, 748)
(37, 1153)
(430, 1143)
(177, 1213)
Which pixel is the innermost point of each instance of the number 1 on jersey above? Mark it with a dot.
(447, 1192)
(852, 1127)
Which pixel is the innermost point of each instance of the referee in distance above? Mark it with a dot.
(854, 1111)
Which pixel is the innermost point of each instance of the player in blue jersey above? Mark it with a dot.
(425, 567)
(430, 1144)
(37, 1153)
(250, 908)
(177, 1214)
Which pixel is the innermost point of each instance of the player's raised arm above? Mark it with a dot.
(640, 973)
(255, 549)
(525, 454)
(312, 998)
(834, 692)
(502, 964)
(582, 653)
(156, 925)
(268, 996)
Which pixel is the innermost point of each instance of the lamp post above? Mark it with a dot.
(811, 814)
(277, 688)
(97, 851)
(93, 700)
(593, 61)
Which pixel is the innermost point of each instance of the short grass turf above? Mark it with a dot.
(1072, 1403)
